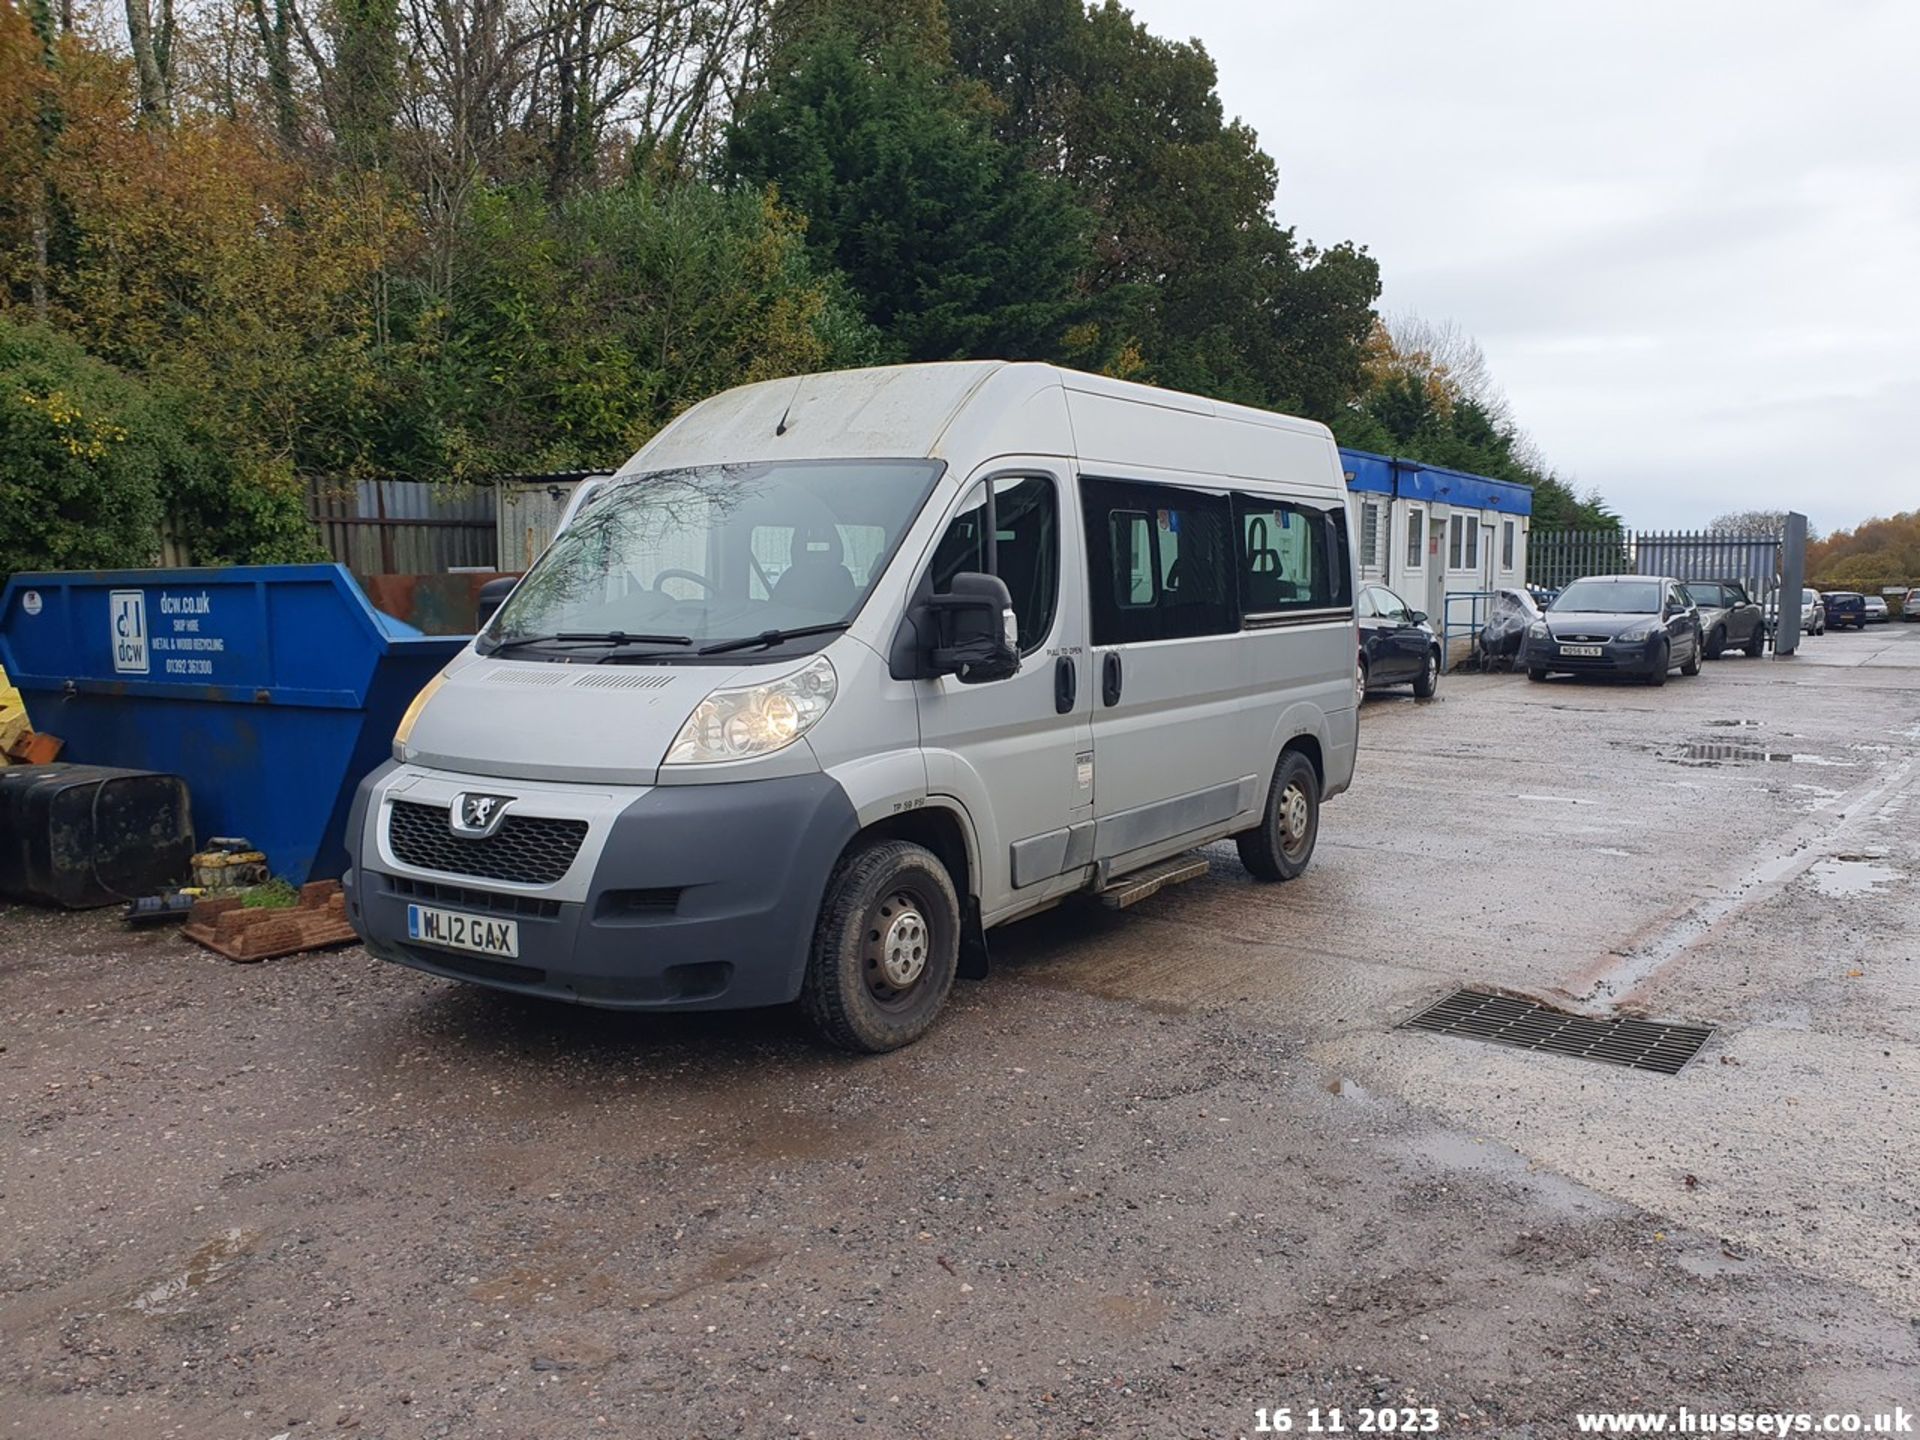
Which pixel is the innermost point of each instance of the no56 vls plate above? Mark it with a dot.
(451, 930)
(1593, 650)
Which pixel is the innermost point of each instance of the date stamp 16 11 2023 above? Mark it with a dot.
(1365, 1420)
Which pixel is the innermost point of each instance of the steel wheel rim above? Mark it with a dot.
(1296, 818)
(899, 945)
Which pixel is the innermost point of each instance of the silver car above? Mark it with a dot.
(1813, 614)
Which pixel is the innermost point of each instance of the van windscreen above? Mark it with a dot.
(715, 553)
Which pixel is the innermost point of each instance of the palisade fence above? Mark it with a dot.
(1556, 558)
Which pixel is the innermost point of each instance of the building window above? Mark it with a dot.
(1463, 543)
(1369, 535)
(1416, 537)
(1161, 562)
(1506, 544)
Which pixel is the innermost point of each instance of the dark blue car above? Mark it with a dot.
(1637, 625)
(1844, 607)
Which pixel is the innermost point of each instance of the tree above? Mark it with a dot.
(1751, 522)
(954, 246)
(574, 334)
(91, 461)
(1211, 291)
(1431, 395)
(1882, 551)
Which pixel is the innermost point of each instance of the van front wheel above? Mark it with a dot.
(886, 948)
(1279, 847)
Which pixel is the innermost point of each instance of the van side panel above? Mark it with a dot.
(1168, 435)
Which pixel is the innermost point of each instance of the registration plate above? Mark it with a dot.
(1589, 650)
(451, 930)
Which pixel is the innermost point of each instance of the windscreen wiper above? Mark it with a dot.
(590, 637)
(771, 637)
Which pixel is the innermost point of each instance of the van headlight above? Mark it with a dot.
(751, 720)
(404, 733)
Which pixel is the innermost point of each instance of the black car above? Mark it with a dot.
(1640, 625)
(1397, 645)
(1729, 617)
(1844, 608)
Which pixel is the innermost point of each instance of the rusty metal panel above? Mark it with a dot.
(404, 527)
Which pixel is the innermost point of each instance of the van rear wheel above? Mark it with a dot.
(1279, 847)
(886, 948)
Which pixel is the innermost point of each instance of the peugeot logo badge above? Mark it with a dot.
(475, 817)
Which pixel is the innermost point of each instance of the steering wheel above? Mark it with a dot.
(665, 575)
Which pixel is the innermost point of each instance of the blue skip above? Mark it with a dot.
(271, 689)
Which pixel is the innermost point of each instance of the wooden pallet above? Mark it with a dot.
(227, 927)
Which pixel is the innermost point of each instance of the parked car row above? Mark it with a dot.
(1644, 626)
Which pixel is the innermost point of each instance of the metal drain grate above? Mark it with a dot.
(1529, 1025)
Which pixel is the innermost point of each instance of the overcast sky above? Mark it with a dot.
(1686, 234)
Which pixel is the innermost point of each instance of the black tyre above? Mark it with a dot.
(885, 950)
(1536, 674)
(1757, 643)
(1662, 662)
(1692, 667)
(1428, 680)
(1716, 642)
(1360, 680)
(1279, 847)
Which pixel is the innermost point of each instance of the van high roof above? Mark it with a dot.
(993, 407)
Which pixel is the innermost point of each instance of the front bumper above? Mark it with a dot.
(1616, 657)
(689, 897)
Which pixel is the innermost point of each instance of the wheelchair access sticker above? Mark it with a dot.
(128, 609)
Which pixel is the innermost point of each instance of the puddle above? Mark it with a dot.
(209, 1263)
(1740, 752)
(1743, 724)
(1843, 875)
(1454, 1154)
(1557, 799)
(1711, 1264)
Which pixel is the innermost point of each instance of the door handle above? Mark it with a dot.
(1066, 685)
(1110, 678)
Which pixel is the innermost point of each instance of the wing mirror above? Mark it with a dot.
(493, 595)
(976, 635)
(1418, 617)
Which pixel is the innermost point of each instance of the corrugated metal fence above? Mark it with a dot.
(405, 527)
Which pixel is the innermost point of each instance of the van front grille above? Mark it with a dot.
(525, 850)
(463, 898)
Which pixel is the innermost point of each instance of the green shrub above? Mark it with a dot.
(92, 462)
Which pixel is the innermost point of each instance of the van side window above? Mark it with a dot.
(1026, 546)
(1160, 562)
(1289, 557)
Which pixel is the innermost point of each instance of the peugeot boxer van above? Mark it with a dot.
(841, 672)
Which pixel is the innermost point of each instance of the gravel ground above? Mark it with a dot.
(1159, 1170)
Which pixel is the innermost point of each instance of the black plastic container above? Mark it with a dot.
(89, 835)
